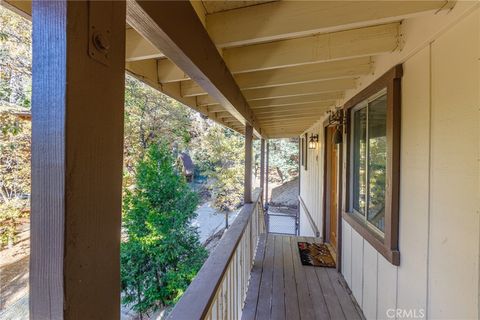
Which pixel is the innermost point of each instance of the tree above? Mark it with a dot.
(14, 172)
(15, 91)
(15, 59)
(283, 159)
(151, 117)
(162, 252)
(220, 151)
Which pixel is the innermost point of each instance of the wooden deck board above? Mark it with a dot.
(305, 303)
(265, 293)
(315, 288)
(282, 288)
(291, 300)
(251, 299)
(278, 299)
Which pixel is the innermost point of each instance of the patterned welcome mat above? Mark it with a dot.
(314, 254)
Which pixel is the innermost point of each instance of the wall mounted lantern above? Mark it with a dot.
(336, 118)
(312, 143)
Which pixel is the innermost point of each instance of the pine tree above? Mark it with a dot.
(162, 252)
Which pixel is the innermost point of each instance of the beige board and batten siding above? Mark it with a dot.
(310, 188)
(439, 219)
(439, 223)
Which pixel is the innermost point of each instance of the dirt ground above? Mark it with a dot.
(14, 277)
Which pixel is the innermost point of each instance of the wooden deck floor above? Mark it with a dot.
(282, 288)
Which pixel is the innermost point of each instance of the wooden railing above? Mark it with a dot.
(220, 287)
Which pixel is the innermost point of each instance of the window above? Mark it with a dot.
(369, 161)
(373, 146)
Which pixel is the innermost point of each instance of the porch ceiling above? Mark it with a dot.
(290, 61)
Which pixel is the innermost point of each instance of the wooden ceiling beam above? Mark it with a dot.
(313, 49)
(305, 73)
(191, 49)
(300, 119)
(326, 97)
(215, 108)
(280, 130)
(288, 117)
(206, 101)
(278, 77)
(191, 89)
(294, 108)
(138, 48)
(284, 135)
(300, 89)
(288, 19)
(169, 72)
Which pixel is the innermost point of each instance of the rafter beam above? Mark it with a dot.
(288, 19)
(206, 101)
(294, 108)
(191, 89)
(305, 73)
(300, 89)
(215, 108)
(137, 48)
(313, 49)
(302, 119)
(291, 115)
(297, 100)
(284, 135)
(191, 49)
(169, 72)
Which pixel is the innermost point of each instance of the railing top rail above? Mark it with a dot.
(196, 301)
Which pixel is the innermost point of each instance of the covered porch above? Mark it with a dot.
(254, 274)
(264, 80)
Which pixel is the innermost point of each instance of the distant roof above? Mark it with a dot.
(187, 162)
(21, 112)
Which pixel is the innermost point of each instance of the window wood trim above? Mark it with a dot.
(388, 245)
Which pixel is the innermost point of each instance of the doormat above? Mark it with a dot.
(314, 254)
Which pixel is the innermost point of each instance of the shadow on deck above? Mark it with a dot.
(281, 287)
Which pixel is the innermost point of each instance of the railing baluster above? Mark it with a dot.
(220, 288)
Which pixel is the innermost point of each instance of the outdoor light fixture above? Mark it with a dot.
(312, 143)
(338, 135)
(336, 118)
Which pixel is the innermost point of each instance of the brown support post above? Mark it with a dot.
(247, 193)
(77, 146)
(266, 170)
(262, 166)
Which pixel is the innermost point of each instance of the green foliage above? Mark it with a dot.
(14, 172)
(162, 253)
(283, 159)
(15, 90)
(220, 152)
(151, 117)
(15, 59)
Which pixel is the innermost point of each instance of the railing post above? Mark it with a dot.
(262, 168)
(247, 195)
(266, 172)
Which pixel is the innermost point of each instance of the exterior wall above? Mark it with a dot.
(305, 228)
(311, 184)
(438, 274)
